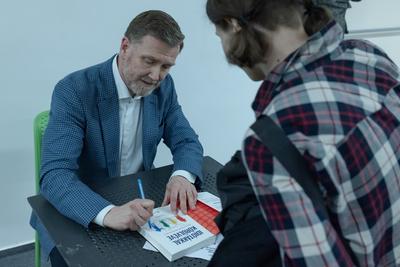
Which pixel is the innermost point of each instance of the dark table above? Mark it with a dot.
(98, 246)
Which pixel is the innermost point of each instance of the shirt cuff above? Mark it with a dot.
(190, 177)
(100, 217)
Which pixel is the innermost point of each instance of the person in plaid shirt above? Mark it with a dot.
(338, 101)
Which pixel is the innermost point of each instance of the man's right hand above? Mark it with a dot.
(130, 216)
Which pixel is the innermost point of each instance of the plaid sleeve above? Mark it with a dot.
(304, 235)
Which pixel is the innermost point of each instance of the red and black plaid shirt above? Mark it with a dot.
(338, 101)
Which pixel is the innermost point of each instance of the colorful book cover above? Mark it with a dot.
(177, 235)
(205, 213)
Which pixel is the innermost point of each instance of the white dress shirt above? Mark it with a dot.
(131, 136)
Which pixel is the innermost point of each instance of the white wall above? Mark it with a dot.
(42, 41)
(375, 17)
(372, 14)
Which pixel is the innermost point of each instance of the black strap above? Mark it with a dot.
(273, 137)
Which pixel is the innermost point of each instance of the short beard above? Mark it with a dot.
(136, 90)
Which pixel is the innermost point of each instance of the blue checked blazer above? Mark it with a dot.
(81, 142)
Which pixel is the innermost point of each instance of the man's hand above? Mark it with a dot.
(130, 216)
(179, 190)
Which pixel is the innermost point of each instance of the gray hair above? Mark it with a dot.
(157, 24)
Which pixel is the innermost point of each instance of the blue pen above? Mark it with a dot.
(139, 181)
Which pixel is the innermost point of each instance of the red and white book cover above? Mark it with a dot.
(176, 235)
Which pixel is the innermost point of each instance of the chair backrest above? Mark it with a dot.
(39, 126)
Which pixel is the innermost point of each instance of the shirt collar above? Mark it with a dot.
(122, 89)
(318, 45)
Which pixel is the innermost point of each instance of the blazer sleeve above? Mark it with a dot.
(61, 148)
(179, 136)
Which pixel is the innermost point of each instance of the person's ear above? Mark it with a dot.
(124, 44)
(233, 24)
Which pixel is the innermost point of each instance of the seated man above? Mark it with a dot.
(107, 120)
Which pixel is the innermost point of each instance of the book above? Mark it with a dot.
(204, 253)
(210, 200)
(207, 208)
(175, 235)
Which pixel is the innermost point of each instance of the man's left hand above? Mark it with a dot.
(180, 190)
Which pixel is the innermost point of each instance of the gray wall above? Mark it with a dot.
(42, 41)
(379, 22)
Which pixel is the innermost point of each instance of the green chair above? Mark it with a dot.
(39, 126)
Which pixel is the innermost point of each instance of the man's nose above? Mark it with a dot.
(156, 73)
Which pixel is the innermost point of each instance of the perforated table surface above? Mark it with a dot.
(98, 246)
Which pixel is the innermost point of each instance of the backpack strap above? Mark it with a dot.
(273, 137)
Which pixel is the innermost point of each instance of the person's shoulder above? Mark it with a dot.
(167, 83)
(366, 55)
(364, 49)
(166, 88)
(88, 75)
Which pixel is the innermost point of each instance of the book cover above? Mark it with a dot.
(177, 235)
(207, 208)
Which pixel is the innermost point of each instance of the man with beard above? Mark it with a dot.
(107, 120)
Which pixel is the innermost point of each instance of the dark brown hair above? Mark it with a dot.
(157, 24)
(247, 47)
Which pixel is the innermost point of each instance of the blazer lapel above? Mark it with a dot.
(108, 106)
